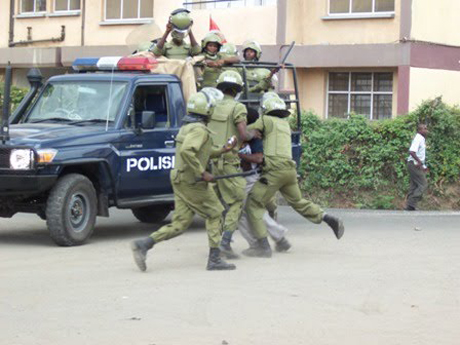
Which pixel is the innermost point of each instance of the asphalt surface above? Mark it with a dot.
(394, 278)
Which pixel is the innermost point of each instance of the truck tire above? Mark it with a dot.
(71, 210)
(151, 214)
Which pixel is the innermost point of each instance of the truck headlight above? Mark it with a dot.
(46, 155)
(21, 159)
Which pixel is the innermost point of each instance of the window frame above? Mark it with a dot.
(68, 8)
(212, 4)
(354, 14)
(349, 92)
(31, 13)
(122, 20)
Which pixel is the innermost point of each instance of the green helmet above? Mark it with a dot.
(211, 37)
(180, 20)
(254, 46)
(275, 106)
(230, 79)
(213, 93)
(267, 95)
(200, 103)
(229, 50)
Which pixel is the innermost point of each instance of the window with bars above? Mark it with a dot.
(365, 93)
(210, 4)
(33, 6)
(128, 9)
(360, 6)
(67, 5)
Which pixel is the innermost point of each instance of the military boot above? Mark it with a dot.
(225, 248)
(336, 225)
(140, 248)
(215, 263)
(261, 249)
(282, 245)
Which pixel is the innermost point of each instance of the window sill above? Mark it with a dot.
(65, 14)
(126, 22)
(359, 16)
(30, 15)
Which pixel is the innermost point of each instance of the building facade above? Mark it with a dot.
(379, 58)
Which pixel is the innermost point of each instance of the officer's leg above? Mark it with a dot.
(181, 220)
(243, 224)
(207, 205)
(261, 193)
(309, 210)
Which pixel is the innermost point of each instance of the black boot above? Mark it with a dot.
(336, 224)
(282, 245)
(261, 249)
(225, 248)
(215, 263)
(140, 248)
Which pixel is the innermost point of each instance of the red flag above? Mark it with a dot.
(215, 28)
(212, 24)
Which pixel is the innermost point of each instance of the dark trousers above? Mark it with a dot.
(418, 184)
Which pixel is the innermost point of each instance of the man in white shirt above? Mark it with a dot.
(417, 168)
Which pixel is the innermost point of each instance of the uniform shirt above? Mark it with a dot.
(419, 147)
(173, 51)
(211, 74)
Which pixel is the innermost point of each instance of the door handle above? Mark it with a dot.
(169, 143)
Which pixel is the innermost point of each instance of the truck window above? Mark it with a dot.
(151, 98)
(79, 100)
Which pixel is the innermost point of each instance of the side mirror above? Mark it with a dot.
(144, 120)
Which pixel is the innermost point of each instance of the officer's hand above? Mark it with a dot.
(256, 134)
(207, 177)
(169, 27)
(211, 63)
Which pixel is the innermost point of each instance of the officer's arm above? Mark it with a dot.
(262, 85)
(196, 48)
(158, 50)
(192, 144)
(257, 128)
(240, 119)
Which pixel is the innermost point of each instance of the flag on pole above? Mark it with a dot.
(215, 28)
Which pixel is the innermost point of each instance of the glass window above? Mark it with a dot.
(365, 93)
(32, 6)
(128, 9)
(384, 5)
(78, 101)
(67, 5)
(361, 6)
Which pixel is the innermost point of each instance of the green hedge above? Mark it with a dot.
(361, 163)
(17, 94)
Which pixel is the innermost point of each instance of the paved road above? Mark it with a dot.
(385, 282)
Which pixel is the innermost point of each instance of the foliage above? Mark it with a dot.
(356, 157)
(17, 94)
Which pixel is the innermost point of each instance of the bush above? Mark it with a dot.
(17, 94)
(364, 161)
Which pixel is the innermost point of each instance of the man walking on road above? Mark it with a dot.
(417, 168)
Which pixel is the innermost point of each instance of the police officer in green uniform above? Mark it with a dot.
(229, 119)
(213, 62)
(279, 173)
(193, 151)
(259, 79)
(179, 26)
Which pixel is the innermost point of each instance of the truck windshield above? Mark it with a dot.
(78, 101)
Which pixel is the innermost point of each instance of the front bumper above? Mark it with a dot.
(25, 185)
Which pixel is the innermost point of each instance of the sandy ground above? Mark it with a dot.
(384, 283)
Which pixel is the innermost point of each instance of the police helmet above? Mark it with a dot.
(275, 106)
(201, 104)
(228, 50)
(211, 37)
(230, 79)
(254, 45)
(180, 20)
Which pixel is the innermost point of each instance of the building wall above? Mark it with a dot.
(431, 83)
(436, 21)
(315, 30)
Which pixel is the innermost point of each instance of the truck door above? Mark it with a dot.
(147, 157)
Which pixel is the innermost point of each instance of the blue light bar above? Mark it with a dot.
(85, 64)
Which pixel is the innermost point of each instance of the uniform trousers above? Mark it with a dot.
(275, 230)
(285, 181)
(190, 199)
(418, 184)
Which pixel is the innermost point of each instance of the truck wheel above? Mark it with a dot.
(151, 214)
(71, 210)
